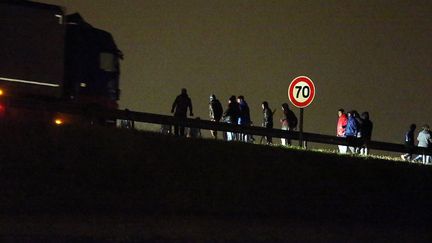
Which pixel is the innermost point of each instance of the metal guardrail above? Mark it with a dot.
(261, 131)
(217, 126)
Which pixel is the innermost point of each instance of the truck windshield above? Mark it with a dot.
(108, 62)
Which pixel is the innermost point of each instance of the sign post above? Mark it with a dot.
(301, 129)
(301, 93)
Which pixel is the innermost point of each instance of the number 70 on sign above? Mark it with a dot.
(301, 91)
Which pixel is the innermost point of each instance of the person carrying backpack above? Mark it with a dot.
(267, 119)
(231, 115)
(215, 112)
(289, 122)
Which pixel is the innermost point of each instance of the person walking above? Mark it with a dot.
(366, 132)
(231, 116)
(215, 112)
(351, 131)
(267, 119)
(340, 129)
(289, 122)
(409, 142)
(180, 107)
(359, 129)
(244, 118)
(424, 140)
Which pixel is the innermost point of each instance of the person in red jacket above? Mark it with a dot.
(340, 129)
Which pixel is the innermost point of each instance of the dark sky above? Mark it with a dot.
(366, 55)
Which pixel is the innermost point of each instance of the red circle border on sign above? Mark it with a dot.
(291, 92)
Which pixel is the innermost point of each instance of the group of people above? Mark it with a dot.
(237, 112)
(424, 141)
(352, 125)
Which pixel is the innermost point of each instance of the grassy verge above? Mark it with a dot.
(99, 171)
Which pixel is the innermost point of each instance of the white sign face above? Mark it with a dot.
(301, 91)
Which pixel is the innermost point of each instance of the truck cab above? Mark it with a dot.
(53, 57)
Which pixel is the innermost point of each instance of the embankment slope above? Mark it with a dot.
(181, 189)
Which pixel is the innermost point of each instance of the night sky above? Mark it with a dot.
(371, 56)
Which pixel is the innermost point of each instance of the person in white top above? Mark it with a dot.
(424, 141)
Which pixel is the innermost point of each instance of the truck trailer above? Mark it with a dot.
(47, 56)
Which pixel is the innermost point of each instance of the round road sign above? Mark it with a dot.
(301, 91)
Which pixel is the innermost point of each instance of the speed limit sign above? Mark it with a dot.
(301, 91)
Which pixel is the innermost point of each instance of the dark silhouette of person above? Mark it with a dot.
(366, 128)
(244, 118)
(267, 119)
(352, 130)
(359, 135)
(288, 121)
(215, 112)
(409, 142)
(179, 108)
(231, 115)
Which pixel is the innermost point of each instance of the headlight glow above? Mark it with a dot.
(58, 121)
